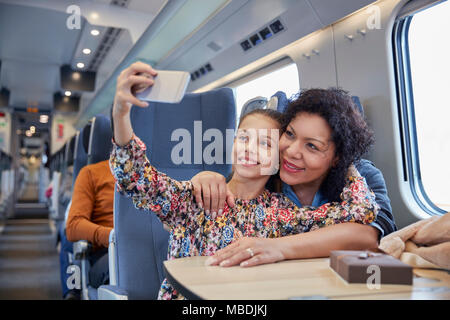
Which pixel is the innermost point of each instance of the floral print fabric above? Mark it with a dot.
(194, 233)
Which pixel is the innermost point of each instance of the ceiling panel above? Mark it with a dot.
(330, 11)
(35, 34)
(34, 43)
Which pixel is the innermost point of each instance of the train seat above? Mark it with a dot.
(96, 138)
(358, 104)
(139, 242)
(278, 101)
(252, 104)
(80, 153)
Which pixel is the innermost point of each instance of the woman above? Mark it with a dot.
(323, 135)
(257, 212)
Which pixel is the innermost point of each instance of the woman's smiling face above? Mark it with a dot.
(307, 151)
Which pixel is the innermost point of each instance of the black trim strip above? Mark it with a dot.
(188, 294)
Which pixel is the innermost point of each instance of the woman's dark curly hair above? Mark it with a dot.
(350, 132)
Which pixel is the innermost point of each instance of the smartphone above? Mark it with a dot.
(169, 87)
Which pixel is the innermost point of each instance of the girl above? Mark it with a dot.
(256, 213)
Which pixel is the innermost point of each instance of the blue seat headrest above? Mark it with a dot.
(71, 154)
(100, 144)
(358, 104)
(252, 104)
(80, 154)
(85, 135)
(282, 101)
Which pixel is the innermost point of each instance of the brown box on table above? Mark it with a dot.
(353, 266)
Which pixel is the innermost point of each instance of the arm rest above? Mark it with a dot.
(81, 249)
(112, 293)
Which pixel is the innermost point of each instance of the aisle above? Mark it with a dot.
(29, 262)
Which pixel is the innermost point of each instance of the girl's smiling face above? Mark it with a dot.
(255, 149)
(307, 151)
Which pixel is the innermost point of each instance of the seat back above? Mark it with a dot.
(141, 241)
(279, 101)
(100, 137)
(80, 153)
(358, 104)
(252, 104)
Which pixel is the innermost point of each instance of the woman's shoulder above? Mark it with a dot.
(279, 199)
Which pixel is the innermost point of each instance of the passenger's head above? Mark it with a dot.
(255, 149)
(323, 134)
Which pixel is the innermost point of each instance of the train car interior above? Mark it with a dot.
(88, 213)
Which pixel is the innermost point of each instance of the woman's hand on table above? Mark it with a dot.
(248, 252)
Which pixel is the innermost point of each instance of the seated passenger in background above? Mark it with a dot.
(257, 212)
(91, 216)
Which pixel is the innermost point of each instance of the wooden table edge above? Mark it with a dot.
(188, 294)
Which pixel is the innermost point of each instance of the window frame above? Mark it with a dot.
(261, 72)
(258, 73)
(406, 112)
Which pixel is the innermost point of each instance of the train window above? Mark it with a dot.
(267, 82)
(423, 70)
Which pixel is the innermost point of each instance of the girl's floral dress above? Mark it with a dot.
(194, 233)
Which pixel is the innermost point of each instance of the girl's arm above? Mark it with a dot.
(138, 75)
(149, 189)
(135, 177)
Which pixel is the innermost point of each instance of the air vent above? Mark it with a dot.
(214, 46)
(276, 26)
(265, 33)
(203, 70)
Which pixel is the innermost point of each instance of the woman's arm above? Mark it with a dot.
(358, 205)
(211, 192)
(315, 244)
(319, 243)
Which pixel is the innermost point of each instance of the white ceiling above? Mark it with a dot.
(31, 61)
(35, 42)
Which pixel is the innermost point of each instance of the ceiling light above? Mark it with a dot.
(76, 76)
(67, 93)
(43, 118)
(94, 15)
(86, 51)
(80, 65)
(95, 32)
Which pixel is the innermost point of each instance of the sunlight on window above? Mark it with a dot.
(430, 71)
(284, 79)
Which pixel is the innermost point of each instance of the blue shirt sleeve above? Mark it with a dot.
(384, 222)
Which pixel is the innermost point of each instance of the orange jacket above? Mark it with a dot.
(91, 213)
